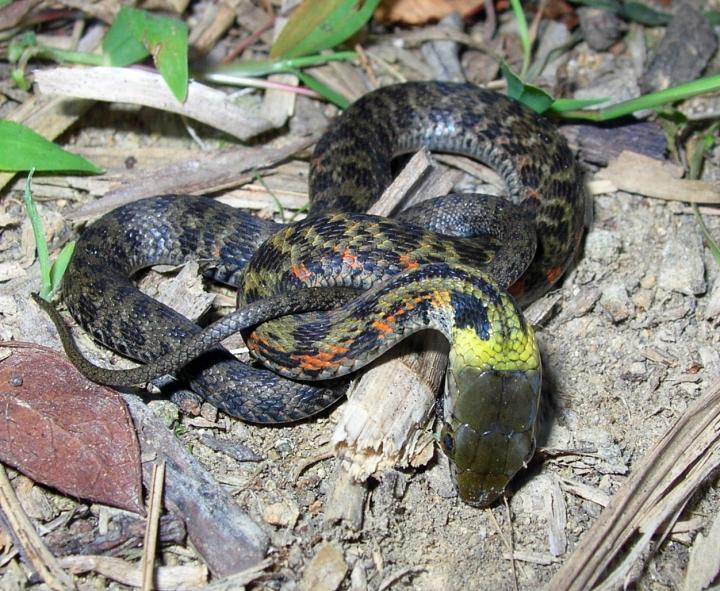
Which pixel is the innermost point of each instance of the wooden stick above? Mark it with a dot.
(152, 526)
(34, 549)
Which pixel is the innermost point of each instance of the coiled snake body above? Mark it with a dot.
(445, 265)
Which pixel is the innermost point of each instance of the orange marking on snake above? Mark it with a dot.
(553, 274)
(382, 327)
(517, 288)
(300, 272)
(351, 260)
(255, 341)
(322, 360)
(407, 262)
(338, 349)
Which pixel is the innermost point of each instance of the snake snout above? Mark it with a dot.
(489, 429)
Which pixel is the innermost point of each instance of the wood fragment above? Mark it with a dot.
(153, 524)
(704, 562)
(209, 172)
(167, 578)
(227, 538)
(33, 548)
(347, 501)
(128, 85)
(636, 173)
(241, 579)
(651, 498)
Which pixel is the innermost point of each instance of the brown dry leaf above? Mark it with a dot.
(12, 14)
(64, 431)
(418, 12)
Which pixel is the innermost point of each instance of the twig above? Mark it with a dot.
(27, 537)
(662, 482)
(153, 525)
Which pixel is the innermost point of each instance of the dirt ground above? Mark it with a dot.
(626, 346)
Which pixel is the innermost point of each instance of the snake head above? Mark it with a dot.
(489, 427)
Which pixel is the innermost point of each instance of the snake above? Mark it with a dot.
(320, 298)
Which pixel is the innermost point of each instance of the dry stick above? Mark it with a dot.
(141, 87)
(152, 525)
(663, 481)
(27, 537)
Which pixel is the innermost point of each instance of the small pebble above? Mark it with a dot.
(600, 28)
(712, 309)
(326, 570)
(584, 301)
(284, 514)
(603, 246)
(643, 299)
(682, 268)
(616, 303)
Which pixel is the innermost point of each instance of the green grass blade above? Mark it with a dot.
(648, 101)
(321, 24)
(266, 67)
(560, 105)
(23, 149)
(39, 235)
(60, 265)
(323, 90)
(524, 35)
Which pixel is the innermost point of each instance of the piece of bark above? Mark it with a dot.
(227, 538)
(442, 56)
(11, 15)
(209, 172)
(684, 51)
(601, 144)
(216, 19)
(167, 578)
(142, 87)
(636, 173)
(649, 501)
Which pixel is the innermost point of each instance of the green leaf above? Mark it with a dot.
(713, 17)
(321, 24)
(524, 34)
(121, 45)
(532, 96)
(23, 149)
(135, 34)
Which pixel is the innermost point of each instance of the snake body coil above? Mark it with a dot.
(444, 265)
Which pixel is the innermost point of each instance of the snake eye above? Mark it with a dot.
(448, 443)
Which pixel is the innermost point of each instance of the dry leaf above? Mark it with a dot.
(418, 12)
(64, 431)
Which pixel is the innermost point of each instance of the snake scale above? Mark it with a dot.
(322, 297)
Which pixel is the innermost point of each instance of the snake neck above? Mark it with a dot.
(483, 324)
